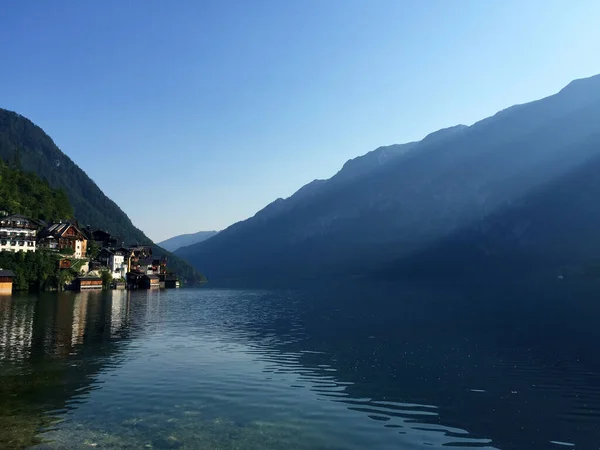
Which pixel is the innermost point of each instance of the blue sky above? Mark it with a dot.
(225, 106)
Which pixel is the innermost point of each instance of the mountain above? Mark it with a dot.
(31, 148)
(183, 240)
(454, 190)
(553, 230)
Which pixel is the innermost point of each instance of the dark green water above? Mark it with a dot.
(378, 367)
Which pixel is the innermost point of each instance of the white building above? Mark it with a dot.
(115, 260)
(18, 233)
(117, 264)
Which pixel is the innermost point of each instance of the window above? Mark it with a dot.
(21, 243)
(13, 243)
(3, 242)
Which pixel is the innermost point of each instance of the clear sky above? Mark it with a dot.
(217, 108)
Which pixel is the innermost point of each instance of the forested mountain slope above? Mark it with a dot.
(35, 151)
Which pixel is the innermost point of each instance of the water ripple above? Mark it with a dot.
(261, 369)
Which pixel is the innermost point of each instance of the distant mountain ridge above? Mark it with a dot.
(183, 240)
(397, 203)
(38, 153)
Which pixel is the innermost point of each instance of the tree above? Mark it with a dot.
(34, 271)
(25, 193)
(64, 277)
(67, 251)
(106, 279)
(93, 249)
(16, 159)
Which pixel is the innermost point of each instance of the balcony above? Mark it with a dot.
(18, 225)
(19, 236)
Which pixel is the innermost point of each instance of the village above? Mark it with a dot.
(93, 258)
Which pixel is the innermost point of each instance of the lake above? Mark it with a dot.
(369, 366)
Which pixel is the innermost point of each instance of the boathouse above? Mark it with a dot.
(150, 282)
(171, 281)
(87, 283)
(6, 281)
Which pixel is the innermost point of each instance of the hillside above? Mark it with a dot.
(183, 240)
(551, 231)
(25, 193)
(399, 202)
(37, 153)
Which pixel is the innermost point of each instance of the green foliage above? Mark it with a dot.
(77, 265)
(25, 193)
(106, 279)
(34, 271)
(35, 151)
(65, 276)
(67, 251)
(93, 249)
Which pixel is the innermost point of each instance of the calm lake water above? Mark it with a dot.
(377, 367)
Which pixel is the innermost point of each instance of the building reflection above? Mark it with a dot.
(16, 330)
(52, 347)
(119, 312)
(56, 325)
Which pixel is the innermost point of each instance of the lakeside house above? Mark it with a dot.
(103, 238)
(131, 266)
(62, 236)
(146, 272)
(171, 281)
(116, 260)
(87, 283)
(150, 282)
(150, 266)
(18, 233)
(6, 281)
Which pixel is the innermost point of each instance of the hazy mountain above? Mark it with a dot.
(403, 201)
(183, 240)
(551, 231)
(35, 151)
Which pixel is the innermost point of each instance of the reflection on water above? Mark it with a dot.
(363, 368)
(16, 330)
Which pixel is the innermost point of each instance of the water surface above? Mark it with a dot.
(389, 367)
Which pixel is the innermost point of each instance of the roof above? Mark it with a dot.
(59, 229)
(13, 217)
(89, 278)
(101, 235)
(147, 261)
(152, 277)
(16, 217)
(135, 275)
(139, 247)
(6, 273)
